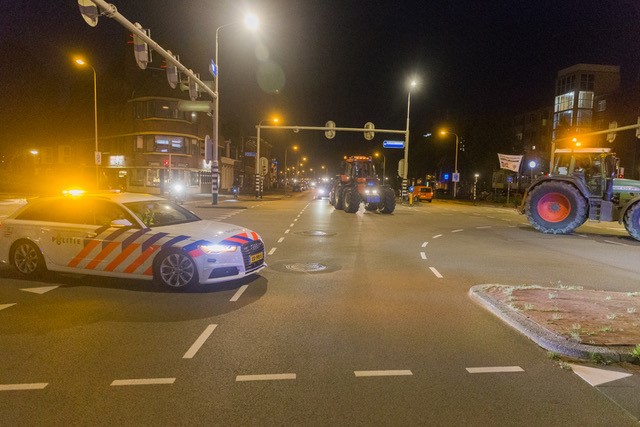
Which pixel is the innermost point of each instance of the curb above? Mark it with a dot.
(542, 336)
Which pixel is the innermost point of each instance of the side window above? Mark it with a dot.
(104, 212)
(67, 211)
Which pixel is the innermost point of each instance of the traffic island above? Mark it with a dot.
(569, 321)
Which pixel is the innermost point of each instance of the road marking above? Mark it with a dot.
(295, 219)
(299, 214)
(596, 376)
(3, 306)
(434, 271)
(423, 255)
(436, 236)
(40, 291)
(238, 293)
(457, 231)
(424, 245)
(615, 243)
(201, 339)
(271, 252)
(280, 240)
(578, 234)
(494, 369)
(144, 381)
(291, 225)
(266, 377)
(32, 386)
(286, 231)
(390, 373)
(483, 226)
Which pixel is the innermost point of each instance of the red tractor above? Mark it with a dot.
(360, 184)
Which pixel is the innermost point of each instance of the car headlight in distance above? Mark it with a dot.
(217, 249)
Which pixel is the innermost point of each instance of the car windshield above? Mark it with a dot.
(158, 213)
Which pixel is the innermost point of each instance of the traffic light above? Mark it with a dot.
(165, 162)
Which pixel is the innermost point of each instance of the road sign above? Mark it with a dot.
(401, 167)
(455, 177)
(213, 69)
(369, 135)
(612, 136)
(98, 156)
(393, 144)
(249, 153)
(330, 134)
(141, 49)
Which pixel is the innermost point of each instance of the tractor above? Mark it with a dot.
(359, 184)
(583, 184)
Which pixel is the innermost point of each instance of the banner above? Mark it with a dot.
(510, 162)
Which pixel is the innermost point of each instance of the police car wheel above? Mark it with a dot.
(175, 269)
(27, 259)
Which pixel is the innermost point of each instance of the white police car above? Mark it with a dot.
(127, 235)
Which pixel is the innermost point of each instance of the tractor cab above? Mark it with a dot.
(595, 167)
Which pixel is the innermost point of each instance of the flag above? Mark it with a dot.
(510, 162)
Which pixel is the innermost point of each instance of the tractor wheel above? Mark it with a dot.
(556, 207)
(337, 199)
(351, 200)
(632, 221)
(388, 203)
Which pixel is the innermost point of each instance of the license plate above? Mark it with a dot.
(256, 257)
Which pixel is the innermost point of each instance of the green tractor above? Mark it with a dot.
(583, 185)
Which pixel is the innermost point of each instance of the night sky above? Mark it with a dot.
(478, 64)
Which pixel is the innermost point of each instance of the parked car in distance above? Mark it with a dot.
(322, 189)
(423, 193)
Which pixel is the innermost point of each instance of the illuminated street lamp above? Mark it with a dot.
(384, 164)
(251, 21)
(98, 158)
(455, 183)
(413, 84)
(532, 165)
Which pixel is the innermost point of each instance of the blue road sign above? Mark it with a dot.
(393, 144)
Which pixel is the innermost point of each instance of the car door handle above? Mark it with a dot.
(45, 230)
(91, 235)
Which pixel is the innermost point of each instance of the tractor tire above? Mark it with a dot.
(388, 203)
(632, 221)
(336, 198)
(351, 200)
(556, 207)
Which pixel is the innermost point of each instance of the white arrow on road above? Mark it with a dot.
(3, 306)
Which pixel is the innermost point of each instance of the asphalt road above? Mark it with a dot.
(360, 319)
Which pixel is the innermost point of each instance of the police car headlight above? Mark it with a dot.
(217, 249)
(374, 192)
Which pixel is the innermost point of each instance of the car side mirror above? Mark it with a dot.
(120, 223)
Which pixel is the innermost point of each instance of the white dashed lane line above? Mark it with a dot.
(424, 245)
(280, 240)
(436, 272)
(494, 369)
(143, 381)
(436, 236)
(265, 377)
(423, 255)
(389, 373)
(272, 251)
(238, 293)
(200, 341)
(14, 387)
(286, 231)
(457, 231)
(482, 227)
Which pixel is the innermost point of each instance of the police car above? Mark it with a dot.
(127, 235)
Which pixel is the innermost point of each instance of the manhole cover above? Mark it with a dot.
(309, 267)
(317, 233)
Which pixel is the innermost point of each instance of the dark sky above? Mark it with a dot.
(346, 61)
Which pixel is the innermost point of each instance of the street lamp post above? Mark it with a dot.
(384, 165)
(406, 143)
(251, 22)
(455, 166)
(96, 155)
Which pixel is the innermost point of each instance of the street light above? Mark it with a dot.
(286, 169)
(455, 183)
(413, 84)
(475, 185)
(532, 165)
(97, 156)
(384, 164)
(251, 21)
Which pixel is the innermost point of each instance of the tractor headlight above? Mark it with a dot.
(217, 249)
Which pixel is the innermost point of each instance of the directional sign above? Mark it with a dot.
(455, 177)
(393, 144)
(89, 12)
(330, 134)
(213, 69)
